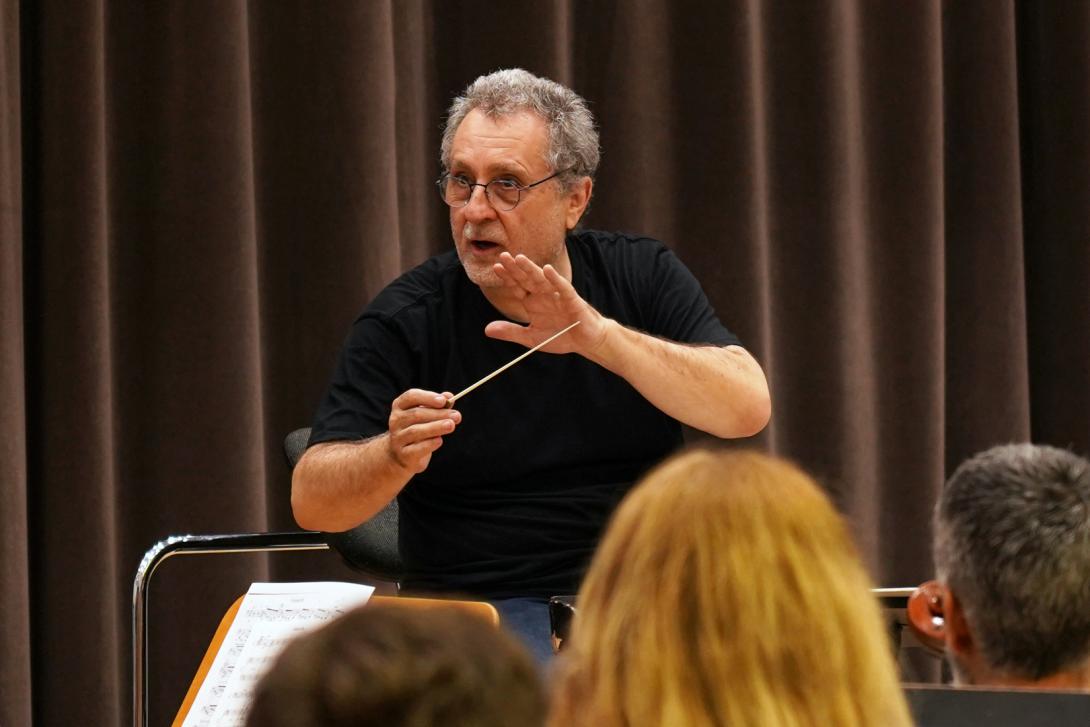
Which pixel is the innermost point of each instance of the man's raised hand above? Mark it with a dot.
(551, 304)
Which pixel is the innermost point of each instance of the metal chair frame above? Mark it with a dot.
(370, 548)
(194, 545)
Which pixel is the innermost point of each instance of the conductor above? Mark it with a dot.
(504, 494)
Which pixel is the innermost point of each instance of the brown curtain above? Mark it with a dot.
(887, 201)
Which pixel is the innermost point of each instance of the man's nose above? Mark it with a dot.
(478, 207)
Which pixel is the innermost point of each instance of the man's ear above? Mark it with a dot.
(926, 615)
(959, 637)
(578, 199)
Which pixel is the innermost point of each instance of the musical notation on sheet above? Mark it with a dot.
(271, 615)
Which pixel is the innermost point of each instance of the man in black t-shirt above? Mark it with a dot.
(531, 463)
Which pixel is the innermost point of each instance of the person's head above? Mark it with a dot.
(516, 129)
(1012, 555)
(727, 590)
(394, 665)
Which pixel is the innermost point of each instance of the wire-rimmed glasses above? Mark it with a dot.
(503, 194)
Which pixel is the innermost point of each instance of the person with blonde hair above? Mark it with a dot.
(727, 591)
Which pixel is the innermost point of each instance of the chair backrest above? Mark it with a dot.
(956, 706)
(295, 444)
(371, 546)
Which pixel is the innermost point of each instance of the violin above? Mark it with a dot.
(925, 616)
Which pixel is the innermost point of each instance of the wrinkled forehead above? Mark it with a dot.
(516, 141)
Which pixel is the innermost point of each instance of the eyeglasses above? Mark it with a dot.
(503, 194)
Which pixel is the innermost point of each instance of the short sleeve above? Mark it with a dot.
(374, 368)
(677, 308)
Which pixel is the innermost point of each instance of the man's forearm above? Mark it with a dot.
(337, 485)
(720, 390)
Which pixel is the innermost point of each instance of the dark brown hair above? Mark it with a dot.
(391, 665)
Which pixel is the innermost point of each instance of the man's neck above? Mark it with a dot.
(508, 302)
(1077, 678)
(508, 305)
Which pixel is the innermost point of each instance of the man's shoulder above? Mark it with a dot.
(618, 253)
(616, 244)
(429, 281)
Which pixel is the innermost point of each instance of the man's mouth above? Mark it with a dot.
(483, 245)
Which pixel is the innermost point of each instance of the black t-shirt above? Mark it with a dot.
(514, 501)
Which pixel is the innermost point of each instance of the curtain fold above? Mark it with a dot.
(1054, 105)
(886, 201)
(986, 358)
(15, 584)
(75, 524)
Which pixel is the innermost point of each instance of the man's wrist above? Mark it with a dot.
(602, 351)
(392, 454)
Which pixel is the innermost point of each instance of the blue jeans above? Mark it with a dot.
(528, 619)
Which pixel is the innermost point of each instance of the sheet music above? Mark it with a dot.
(271, 614)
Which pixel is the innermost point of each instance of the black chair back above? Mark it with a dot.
(958, 706)
(371, 546)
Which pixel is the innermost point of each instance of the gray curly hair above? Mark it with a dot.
(573, 139)
(1012, 540)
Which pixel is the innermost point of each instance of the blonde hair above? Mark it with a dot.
(727, 591)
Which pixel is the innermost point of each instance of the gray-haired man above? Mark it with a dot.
(532, 463)
(1012, 558)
